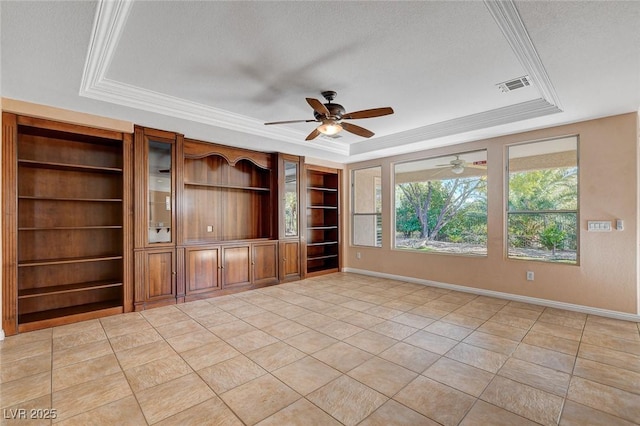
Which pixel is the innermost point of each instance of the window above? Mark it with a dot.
(542, 210)
(441, 204)
(367, 207)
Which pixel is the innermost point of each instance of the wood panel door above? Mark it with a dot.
(289, 260)
(265, 262)
(236, 265)
(203, 270)
(160, 275)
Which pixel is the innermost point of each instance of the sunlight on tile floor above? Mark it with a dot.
(338, 349)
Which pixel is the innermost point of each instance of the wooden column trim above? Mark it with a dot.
(9, 224)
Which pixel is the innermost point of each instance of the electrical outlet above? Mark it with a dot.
(209, 228)
(530, 276)
(358, 255)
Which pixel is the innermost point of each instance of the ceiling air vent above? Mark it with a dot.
(516, 83)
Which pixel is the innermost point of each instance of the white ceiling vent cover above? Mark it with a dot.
(516, 83)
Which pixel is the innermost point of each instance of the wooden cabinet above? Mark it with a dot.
(160, 279)
(236, 265)
(211, 269)
(229, 222)
(322, 220)
(156, 211)
(290, 260)
(203, 270)
(67, 223)
(264, 262)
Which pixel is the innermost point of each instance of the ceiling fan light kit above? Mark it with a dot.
(330, 128)
(457, 169)
(332, 117)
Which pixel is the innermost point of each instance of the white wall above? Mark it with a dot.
(607, 276)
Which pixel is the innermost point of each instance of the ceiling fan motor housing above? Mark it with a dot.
(335, 112)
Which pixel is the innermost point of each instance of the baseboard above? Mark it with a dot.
(508, 296)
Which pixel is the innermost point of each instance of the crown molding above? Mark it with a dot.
(108, 24)
(110, 21)
(510, 23)
(522, 111)
(160, 103)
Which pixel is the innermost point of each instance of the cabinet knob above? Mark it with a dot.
(173, 273)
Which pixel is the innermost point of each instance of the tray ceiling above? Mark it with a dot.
(218, 70)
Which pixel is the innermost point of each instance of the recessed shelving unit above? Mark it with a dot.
(323, 239)
(228, 199)
(69, 227)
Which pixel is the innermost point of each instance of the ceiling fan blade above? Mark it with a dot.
(318, 107)
(368, 113)
(357, 130)
(289, 121)
(313, 135)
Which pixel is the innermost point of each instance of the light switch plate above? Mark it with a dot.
(599, 226)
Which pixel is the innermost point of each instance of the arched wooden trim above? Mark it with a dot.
(195, 150)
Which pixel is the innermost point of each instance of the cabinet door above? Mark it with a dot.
(203, 270)
(289, 195)
(289, 260)
(160, 275)
(265, 262)
(156, 171)
(236, 266)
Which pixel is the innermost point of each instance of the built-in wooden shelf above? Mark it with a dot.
(94, 309)
(68, 288)
(323, 243)
(70, 228)
(68, 167)
(228, 186)
(43, 262)
(326, 256)
(92, 200)
(319, 188)
(323, 207)
(322, 216)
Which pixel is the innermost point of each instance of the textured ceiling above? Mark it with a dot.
(217, 70)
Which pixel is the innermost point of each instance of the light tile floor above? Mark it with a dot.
(337, 349)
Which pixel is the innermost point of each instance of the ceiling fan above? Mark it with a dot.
(458, 165)
(332, 117)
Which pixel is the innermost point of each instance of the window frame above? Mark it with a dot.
(378, 215)
(507, 212)
(484, 149)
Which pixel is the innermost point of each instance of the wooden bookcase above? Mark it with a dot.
(322, 220)
(65, 208)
